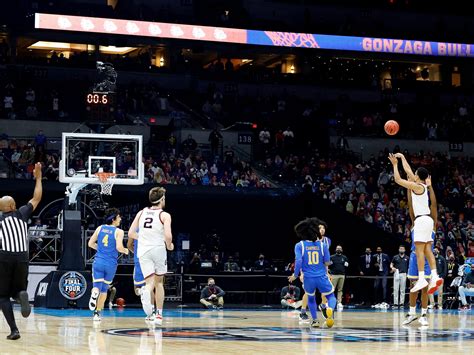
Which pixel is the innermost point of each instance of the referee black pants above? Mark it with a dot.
(13, 279)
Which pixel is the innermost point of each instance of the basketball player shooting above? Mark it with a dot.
(423, 225)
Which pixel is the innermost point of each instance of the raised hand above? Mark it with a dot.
(393, 159)
(37, 173)
(428, 180)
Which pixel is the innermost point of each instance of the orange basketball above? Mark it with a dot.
(391, 127)
(120, 302)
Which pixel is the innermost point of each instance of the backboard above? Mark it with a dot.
(85, 154)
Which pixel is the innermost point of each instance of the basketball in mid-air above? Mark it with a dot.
(391, 127)
(120, 302)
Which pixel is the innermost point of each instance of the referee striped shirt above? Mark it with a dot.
(14, 230)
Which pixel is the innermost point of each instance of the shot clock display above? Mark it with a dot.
(98, 99)
(100, 107)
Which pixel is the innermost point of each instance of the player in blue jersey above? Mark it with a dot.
(108, 241)
(304, 304)
(312, 258)
(138, 278)
(413, 266)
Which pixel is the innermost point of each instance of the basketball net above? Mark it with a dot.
(106, 181)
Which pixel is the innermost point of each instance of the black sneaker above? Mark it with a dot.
(323, 308)
(304, 317)
(25, 303)
(14, 335)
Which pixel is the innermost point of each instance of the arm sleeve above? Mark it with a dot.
(204, 293)
(26, 211)
(326, 256)
(220, 292)
(298, 259)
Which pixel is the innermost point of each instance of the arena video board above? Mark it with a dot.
(255, 37)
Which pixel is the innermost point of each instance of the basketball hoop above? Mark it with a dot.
(106, 181)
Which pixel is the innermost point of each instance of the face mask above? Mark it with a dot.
(261, 258)
(436, 253)
(211, 285)
(401, 252)
(338, 251)
(367, 252)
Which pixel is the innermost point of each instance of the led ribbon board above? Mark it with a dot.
(255, 37)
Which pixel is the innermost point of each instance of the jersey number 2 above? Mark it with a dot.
(313, 258)
(148, 222)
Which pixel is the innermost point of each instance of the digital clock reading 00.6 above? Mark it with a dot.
(100, 99)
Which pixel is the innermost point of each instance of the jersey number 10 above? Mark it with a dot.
(313, 258)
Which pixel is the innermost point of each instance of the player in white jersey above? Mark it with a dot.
(423, 225)
(152, 227)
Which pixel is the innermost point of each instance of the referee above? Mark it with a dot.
(14, 253)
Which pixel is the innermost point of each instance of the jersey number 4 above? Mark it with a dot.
(313, 258)
(105, 240)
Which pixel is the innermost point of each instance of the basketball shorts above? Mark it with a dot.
(13, 278)
(154, 262)
(321, 283)
(413, 268)
(422, 229)
(138, 279)
(103, 275)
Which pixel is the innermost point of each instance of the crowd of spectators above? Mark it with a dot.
(365, 188)
(169, 167)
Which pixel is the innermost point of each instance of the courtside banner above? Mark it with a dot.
(234, 35)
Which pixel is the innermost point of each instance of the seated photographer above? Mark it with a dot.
(212, 296)
(290, 296)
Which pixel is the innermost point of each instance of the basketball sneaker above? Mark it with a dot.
(146, 302)
(14, 335)
(158, 319)
(303, 318)
(419, 285)
(323, 309)
(96, 317)
(409, 318)
(93, 300)
(329, 317)
(315, 324)
(151, 317)
(24, 303)
(340, 307)
(423, 320)
(435, 282)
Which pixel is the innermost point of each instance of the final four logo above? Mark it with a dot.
(72, 285)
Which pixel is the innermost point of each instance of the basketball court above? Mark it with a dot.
(196, 331)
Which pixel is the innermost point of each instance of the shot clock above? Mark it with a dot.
(98, 99)
(100, 107)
